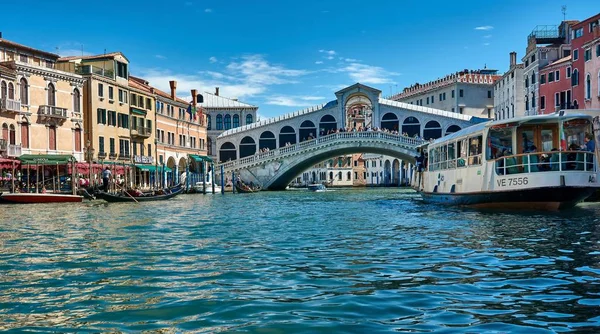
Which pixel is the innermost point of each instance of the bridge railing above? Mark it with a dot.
(283, 151)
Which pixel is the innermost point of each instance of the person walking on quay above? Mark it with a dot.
(105, 177)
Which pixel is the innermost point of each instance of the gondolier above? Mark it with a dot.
(105, 177)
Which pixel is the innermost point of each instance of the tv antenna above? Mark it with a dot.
(563, 9)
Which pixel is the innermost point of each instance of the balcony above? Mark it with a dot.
(91, 69)
(14, 151)
(547, 34)
(51, 112)
(102, 155)
(10, 105)
(112, 155)
(141, 132)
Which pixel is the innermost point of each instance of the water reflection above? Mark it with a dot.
(364, 261)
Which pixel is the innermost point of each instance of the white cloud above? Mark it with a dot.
(160, 57)
(368, 74)
(318, 62)
(72, 52)
(212, 59)
(208, 10)
(487, 36)
(330, 57)
(484, 28)
(248, 76)
(293, 101)
(328, 52)
(351, 60)
(486, 44)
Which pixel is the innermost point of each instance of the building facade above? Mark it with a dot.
(586, 68)
(40, 105)
(555, 86)
(106, 105)
(466, 92)
(180, 132)
(509, 96)
(222, 114)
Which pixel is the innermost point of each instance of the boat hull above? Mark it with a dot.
(125, 198)
(546, 198)
(31, 198)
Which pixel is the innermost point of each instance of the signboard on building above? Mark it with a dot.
(142, 159)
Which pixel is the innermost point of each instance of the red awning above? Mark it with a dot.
(8, 163)
(84, 168)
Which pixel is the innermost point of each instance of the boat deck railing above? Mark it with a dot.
(554, 161)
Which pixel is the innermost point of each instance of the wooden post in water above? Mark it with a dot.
(13, 176)
(212, 177)
(73, 177)
(222, 180)
(204, 177)
(53, 182)
(28, 177)
(233, 182)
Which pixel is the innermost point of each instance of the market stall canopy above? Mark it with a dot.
(200, 158)
(46, 159)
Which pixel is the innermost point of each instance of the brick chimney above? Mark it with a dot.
(194, 96)
(173, 85)
(513, 59)
(217, 91)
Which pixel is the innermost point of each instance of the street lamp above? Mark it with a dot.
(89, 151)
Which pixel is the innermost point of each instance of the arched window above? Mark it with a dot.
(327, 123)
(307, 131)
(5, 131)
(247, 147)
(77, 134)
(227, 122)
(411, 127)
(267, 140)
(76, 100)
(433, 130)
(3, 90)
(588, 86)
(452, 129)
(248, 119)
(389, 121)
(208, 122)
(287, 134)
(227, 152)
(12, 135)
(349, 176)
(575, 78)
(24, 95)
(219, 122)
(11, 91)
(24, 133)
(236, 121)
(209, 148)
(51, 95)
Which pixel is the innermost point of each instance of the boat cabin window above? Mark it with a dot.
(575, 131)
(452, 155)
(462, 153)
(475, 146)
(500, 141)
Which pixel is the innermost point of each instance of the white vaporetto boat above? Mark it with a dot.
(532, 162)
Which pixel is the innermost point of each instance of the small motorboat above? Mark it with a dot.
(317, 188)
(31, 198)
(199, 188)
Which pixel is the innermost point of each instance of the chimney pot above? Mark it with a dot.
(513, 59)
(217, 91)
(194, 97)
(173, 85)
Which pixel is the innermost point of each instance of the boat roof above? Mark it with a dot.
(511, 122)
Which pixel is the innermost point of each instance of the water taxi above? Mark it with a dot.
(535, 162)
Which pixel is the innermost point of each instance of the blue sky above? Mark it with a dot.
(286, 55)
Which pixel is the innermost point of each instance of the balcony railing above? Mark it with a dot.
(546, 162)
(112, 155)
(76, 115)
(10, 105)
(3, 144)
(141, 131)
(124, 157)
(52, 111)
(101, 155)
(14, 150)
(91, 69)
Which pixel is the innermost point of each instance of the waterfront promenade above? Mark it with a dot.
(352, 260)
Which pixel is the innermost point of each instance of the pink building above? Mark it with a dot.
(555, 86)
(586, 63)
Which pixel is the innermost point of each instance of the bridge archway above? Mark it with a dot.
(390, 121)
(411, 126)
(359, 109)
(267, 140)
(307, 130)
(387, 173)
(227, 152)
(287, 134)
(326, 124)
(452, 129)
(433, 130)
(396, 172)
(247, 147)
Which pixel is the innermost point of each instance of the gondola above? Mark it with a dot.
(244, 188)
(170, 193)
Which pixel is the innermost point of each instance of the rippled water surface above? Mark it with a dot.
(365, 261)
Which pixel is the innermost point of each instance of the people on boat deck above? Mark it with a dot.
(590, 144)
(43, 190)
(105, 177)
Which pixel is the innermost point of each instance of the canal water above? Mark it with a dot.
(360, 261)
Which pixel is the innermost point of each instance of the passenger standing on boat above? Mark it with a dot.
(590, 144)
(105, 177)
(420, 161)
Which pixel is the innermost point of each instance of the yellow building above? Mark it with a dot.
(40, 105)
(106, 106)
(180, 135)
